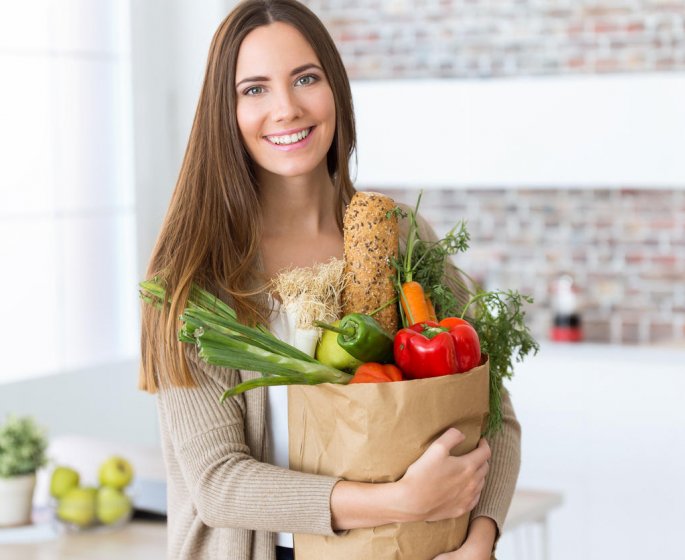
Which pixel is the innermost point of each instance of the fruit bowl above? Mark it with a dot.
(77, 508)
(82, 519)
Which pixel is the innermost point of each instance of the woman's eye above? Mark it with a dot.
(254, 90)
(307, 80)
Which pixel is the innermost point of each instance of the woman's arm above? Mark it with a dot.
(436, 486)
(504, 468)
(210, 459)
(479, 543)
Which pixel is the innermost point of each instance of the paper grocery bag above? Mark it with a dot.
(372, 432)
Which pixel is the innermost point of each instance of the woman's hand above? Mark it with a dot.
(478, 544)
(438, 486)
(465, 553)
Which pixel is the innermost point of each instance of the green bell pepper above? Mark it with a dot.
(363, 338)
(330, 353)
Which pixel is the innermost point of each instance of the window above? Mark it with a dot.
(67, 208)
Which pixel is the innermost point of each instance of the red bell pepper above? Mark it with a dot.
(466, 342)
(429, 349)
(372, 372)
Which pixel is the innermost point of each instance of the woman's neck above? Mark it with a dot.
(299, 226)
(304, 206)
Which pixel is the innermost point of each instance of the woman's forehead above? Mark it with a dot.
(275, 49)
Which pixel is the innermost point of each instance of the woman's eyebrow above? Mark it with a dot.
(295, 71)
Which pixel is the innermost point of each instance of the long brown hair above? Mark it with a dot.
(212, 228)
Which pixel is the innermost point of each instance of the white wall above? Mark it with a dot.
(67, 215)
(99, 402)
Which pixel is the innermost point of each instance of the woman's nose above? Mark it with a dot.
(286, 106)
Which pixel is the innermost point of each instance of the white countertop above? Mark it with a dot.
(146, 540)
(666, 354)
(604, 425)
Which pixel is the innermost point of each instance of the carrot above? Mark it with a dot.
(431, 310)
(414, 303)
(373, 372)
(416, 306)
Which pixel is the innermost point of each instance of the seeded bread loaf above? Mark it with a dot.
(371, 238)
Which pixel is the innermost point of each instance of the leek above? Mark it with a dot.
(222, 340)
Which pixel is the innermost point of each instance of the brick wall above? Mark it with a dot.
(625, 248)
(471, 38)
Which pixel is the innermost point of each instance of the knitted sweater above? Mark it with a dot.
(225, 499)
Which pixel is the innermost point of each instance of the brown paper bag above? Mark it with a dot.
(372, 432)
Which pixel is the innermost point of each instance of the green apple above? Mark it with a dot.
(330, 353)
(77, 506)
(63, 479)
(112, 505)
(116, 472)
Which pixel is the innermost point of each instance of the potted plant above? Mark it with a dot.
(22, 453)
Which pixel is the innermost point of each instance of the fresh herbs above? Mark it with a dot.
(498, 316)
(222, 340)
(499, 320)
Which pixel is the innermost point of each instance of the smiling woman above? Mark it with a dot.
(263, 187)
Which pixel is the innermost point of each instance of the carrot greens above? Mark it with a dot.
(498, 316)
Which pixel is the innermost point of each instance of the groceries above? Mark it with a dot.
(84, 506)
(431, 349)
(363, 337)
(447, 323)
(373, 372)
(330, 352)
(414, 347)
(371, 237)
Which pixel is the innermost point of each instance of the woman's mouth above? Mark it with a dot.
(291, 141)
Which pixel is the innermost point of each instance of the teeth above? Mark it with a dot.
(289, 138)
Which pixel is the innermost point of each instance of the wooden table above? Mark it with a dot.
(145, 540)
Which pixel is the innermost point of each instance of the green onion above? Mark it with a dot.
(222, 340)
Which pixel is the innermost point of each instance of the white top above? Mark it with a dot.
(277, 397)
(282, 325)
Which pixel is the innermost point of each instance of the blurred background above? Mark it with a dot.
(555, 128)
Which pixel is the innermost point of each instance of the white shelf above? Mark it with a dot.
(620, 130)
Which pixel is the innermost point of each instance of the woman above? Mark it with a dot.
(263, 187)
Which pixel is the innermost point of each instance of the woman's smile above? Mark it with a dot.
(292, 141)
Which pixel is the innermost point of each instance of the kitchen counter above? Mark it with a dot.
(138, 540)
(145, 540)
(604, 426)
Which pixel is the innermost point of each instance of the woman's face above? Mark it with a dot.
(285, 106)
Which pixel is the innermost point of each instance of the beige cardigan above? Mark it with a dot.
(225, 499)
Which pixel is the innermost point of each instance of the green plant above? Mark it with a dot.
(22, 447)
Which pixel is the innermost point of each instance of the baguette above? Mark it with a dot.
(370, 239)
